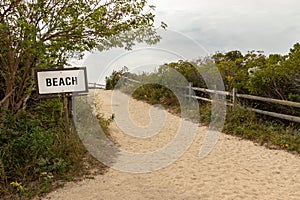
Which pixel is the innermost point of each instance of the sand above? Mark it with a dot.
(235, 169)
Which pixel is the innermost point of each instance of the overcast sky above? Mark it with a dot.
(197, 28)
(221, 25)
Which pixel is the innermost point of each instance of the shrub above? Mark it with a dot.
(35, 149)
(263, 130)
(113, 79)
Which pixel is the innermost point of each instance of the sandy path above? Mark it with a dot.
(235, 169)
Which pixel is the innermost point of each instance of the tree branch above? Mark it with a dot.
(6, 97)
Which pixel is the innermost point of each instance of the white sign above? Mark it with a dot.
(62, 81)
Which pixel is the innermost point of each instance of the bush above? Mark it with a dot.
(268, 132)
(35, 150)
(113, 79)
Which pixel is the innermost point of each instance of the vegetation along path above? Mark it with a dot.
(235, 169)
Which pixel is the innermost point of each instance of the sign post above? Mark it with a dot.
(68, 82)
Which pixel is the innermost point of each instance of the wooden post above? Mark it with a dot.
(67, 110)
(190, 90)
(234, 99)
(70, 107)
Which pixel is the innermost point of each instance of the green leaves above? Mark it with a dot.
(277, 76)
(273, 76)
(44, 33)
(84, 24)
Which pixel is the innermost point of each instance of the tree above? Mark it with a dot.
(112, 81)
(231, 66)
(185, 68)
(40, 34)
(278, 76)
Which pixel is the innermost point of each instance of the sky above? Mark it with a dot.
(222, 25)
(198, 28)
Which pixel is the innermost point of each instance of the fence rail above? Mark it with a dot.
(235, 97)
(234, 103)
(95, 86)
(269, 100)
(131, 80)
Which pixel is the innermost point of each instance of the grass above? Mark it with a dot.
(266, 131)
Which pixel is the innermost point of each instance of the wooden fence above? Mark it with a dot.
(96, 86)
(234, 95)
(234, 103)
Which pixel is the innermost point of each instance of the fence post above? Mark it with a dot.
(234, 99)
(190, 90)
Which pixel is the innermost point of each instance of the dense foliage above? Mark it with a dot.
(35, 150)
(39, 34)
(274, 76)
(112, 80)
